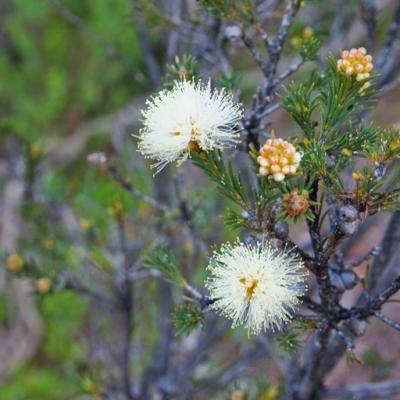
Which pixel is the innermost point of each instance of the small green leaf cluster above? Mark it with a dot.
(229, 183)
(183, 68)
(186, 318)
(291, 340)
(163, 260)
(254, 205)
(238, 10)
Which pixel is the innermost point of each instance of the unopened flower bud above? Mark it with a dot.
(308, 32)
(357, 176)
(43, 285)
(347, 152)
(15, 263)
(355, 62)
(296, 203)
(278, 158)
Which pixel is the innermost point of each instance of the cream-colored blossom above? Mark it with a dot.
(257, 286)
(190, 117)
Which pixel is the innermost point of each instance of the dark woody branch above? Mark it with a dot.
(376, 390)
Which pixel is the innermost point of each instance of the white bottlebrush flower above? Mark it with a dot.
(190, 116)
(257, 286)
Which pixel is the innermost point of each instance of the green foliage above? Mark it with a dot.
(162, 260)
(309, 49)
(342, 100)
(239, 10)
(289, 342)
(37, 58)
(186, 318)
(4, 310)
(57, 75)
(228, 81)
(228, 182)
(329, 110)
(300, 103)
(63, 315)
(339, 98)
(70, 308)
(186, 68)
(234, 219)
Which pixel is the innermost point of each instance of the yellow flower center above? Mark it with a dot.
(250, 285)
(193, 129)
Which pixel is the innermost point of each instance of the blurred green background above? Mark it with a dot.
(55, 74)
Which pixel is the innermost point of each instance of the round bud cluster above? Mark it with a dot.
(278, 158)
(296, 202)
(15, 263)
(355, 62)
(43, 285)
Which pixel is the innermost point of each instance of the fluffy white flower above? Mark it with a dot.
(188, 117)
(256, 285)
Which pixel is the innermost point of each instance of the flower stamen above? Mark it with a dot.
(250, 285)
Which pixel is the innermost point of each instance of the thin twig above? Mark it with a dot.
(391, 37)
(125, 184)
(146, 46)
(372, 253)
(388, 321)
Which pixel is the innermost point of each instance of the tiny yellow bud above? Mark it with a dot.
(357, 176)
(91, 387)
(375, 157)
(35, 151)
(116, 209)
(85, 224)
(270, 394)
(15, 263)
(48, 244)
(295, 42)
(187, 248)
(394, 144)
(308, 32)
(347, 152)
(43, 285)
(237, 395)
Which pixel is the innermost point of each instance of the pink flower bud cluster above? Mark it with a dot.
(278, 158)
(355, 62)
